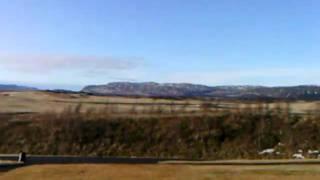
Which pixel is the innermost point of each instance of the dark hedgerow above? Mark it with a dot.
(224, 135)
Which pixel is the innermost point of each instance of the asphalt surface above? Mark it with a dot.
(39, 159)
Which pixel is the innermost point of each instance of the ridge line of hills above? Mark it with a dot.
(173, 90)
(188, 90)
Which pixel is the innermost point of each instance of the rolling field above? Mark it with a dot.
(41, 102)
(159, 172)
(38, 102)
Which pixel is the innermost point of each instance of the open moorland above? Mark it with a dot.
(41, 101)
(47, 123)
(210, 133)
(41, 122)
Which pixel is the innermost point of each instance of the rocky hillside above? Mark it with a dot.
(149, 89)
(152, 89)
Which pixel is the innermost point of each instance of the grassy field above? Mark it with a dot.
(38, 102)
(16, 102)
(159, 172)
(128, 138)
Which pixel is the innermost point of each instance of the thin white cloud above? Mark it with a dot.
(39, 63)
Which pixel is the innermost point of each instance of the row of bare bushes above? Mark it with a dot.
(224, 135)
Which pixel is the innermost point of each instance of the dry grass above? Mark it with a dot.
(39, 102)
(168, 172)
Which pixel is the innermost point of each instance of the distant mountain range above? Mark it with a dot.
(185, 90)
(151, 89)
(11, 87)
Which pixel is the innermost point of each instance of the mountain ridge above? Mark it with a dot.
(152, 89)
(189, 90)
(14, 87)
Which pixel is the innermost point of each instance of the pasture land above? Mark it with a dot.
(206, 133)
(159, 172)
(39, 102)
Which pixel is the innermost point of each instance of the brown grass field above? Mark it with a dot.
(163, 172)
(39, 102)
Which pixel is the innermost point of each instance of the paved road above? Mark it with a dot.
(38, 159)
(245, 162)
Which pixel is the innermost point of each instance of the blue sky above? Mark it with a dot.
(72, 43)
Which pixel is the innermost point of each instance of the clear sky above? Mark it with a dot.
(72, 43)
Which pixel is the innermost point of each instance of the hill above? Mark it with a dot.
(151, 89)
(12, 87)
